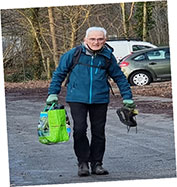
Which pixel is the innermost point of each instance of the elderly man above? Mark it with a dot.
(88, 93)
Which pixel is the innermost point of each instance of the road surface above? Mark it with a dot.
(148, 154)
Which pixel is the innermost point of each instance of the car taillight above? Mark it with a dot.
(124, 64)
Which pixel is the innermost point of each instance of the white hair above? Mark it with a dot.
(101, 29)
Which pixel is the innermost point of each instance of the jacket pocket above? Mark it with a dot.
(96, 71)
(71, 87)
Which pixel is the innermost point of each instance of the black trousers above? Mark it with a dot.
(94, 151)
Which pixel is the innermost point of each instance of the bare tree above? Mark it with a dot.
(73, 19)
(159, 34)
(34, 38)
(37, 48)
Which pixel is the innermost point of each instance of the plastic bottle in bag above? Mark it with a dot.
(68, 126)
(43, 129)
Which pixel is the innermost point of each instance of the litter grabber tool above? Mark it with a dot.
(128, 117)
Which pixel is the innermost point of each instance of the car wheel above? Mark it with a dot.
(140, 78)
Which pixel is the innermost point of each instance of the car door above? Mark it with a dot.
(159, 62)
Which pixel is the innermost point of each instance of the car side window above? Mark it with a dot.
(161, 54)
(140, 57)
(167, 54)
(140, 47)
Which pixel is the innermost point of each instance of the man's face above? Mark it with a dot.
(95, 40)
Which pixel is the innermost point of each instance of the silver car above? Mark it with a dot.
(146, 66)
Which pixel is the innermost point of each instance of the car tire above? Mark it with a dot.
(140, 78)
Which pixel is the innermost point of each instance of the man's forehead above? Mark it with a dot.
(96, 33)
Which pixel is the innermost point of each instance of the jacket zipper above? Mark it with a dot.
(91, 80)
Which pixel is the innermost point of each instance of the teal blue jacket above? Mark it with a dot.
(89, 84)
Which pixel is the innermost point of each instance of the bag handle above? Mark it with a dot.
(49, 108)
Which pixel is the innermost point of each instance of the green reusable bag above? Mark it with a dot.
(52, 126)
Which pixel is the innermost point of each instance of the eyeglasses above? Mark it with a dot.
(96, 39)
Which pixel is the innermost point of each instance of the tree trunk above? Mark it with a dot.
(73, 27)
(48, 69)
(144, 21)
(52, 30)
(124, 19)
(36, 51)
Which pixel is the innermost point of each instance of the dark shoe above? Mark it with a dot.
(83, 169)
(99, 170)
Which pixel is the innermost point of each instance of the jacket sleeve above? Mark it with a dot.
(120, 79)
(60, 73)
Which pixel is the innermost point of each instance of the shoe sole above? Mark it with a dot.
(84, 174)
(103, 173)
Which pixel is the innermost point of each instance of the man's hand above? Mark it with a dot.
(129, 103)
(52, 98)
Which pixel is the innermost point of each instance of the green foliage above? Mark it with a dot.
(139, 18)
(18, 77)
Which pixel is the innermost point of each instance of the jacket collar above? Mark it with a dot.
(106, 51)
